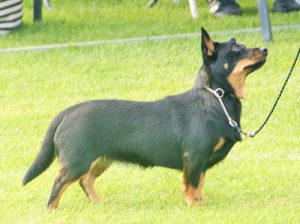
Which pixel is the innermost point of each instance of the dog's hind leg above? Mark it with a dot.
(87, 181)
(63, 180)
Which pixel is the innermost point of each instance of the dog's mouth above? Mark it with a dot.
(255, 66)
(261, 55)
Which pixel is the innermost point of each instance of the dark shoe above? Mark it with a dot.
(224, 7)
(151, 3)
(286, 5)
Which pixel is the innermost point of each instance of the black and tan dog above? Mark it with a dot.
(187, 132)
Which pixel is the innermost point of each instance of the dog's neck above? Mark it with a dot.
(202, 79)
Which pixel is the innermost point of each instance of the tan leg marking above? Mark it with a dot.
(55, 202)
(190, 193)
(200, 187)
(87, 181)
(191, 196)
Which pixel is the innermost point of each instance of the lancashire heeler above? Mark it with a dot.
(187, 132)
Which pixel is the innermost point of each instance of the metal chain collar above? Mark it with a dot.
(219, 93)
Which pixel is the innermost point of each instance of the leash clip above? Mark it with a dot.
(232, 123)
(251, 134)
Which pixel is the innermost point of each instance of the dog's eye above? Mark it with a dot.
(236, 48)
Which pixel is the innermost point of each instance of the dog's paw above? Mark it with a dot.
(203, 196)
(198, 203)
(195, 202)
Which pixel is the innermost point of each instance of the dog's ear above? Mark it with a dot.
(207, 46)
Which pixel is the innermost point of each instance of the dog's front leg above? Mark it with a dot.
(192, 170)
(200, 193)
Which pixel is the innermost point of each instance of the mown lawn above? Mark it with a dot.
(259, 182)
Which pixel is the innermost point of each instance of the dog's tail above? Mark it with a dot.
(46, 154)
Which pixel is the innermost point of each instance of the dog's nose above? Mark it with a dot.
(264, 51)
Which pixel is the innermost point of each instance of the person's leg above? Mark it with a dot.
(286, 5)
(224, 7)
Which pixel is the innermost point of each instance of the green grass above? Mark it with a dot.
(257, 183)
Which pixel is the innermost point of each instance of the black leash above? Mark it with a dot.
(254, 133)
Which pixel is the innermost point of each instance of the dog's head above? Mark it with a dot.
(228, 64)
